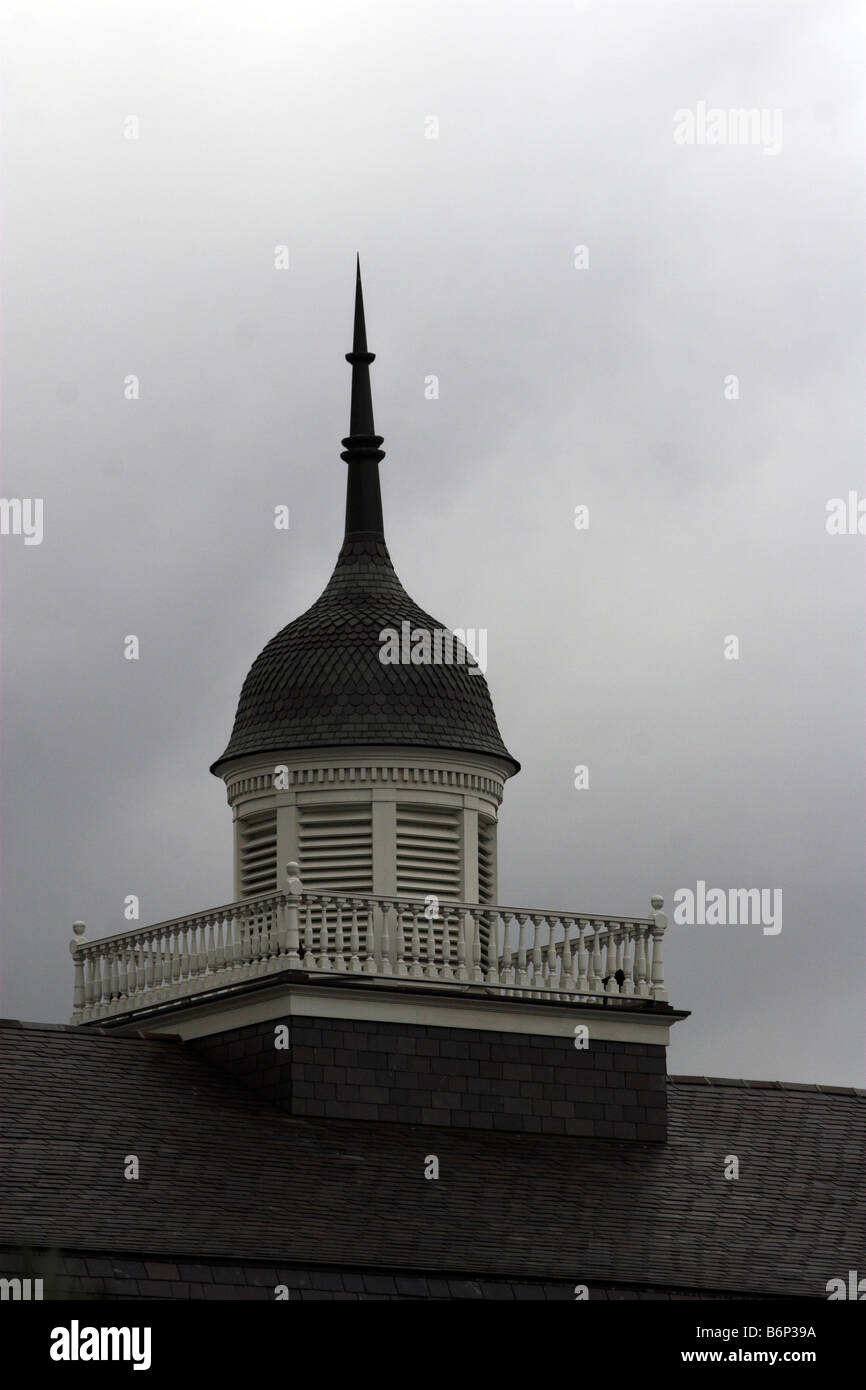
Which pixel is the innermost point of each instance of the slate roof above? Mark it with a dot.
(223, 1177)
(320, 682)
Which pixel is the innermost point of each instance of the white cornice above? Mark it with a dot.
(363, 769)
(431, 1008)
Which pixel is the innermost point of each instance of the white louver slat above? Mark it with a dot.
(429, 851)
(258, 853)
(336, 847)
(486, 860)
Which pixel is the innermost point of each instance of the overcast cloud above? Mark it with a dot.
(304, 125)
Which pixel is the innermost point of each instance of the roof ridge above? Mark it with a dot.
(823, 1088)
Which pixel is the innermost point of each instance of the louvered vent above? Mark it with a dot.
(336, 848)
(428, 852)
(258, 847)
(486, 860)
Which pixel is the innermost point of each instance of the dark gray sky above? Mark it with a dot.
(304, 125)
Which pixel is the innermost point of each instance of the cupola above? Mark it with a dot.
(376, 765)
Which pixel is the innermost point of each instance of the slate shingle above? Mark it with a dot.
(320, 683)
(224, 1178)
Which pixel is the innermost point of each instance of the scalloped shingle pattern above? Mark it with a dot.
(320, 683)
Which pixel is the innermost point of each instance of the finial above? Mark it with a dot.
(359, 337)
(361, 425)
(361, 449)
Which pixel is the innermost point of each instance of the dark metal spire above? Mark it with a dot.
(361, 449)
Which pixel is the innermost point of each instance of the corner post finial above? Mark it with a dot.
(79, 991)
(658, 924)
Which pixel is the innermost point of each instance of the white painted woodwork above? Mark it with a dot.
(379, 1001)
(514, 952)
(389, 820)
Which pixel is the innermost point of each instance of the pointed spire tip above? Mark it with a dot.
(361, 447)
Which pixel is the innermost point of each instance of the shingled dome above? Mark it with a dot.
(321, 682)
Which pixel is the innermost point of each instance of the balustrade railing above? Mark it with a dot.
(514, 952)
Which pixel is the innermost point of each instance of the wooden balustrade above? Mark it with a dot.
(514, 952)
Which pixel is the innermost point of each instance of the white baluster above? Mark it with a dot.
(268, 932)
(105, 981)
(324, 948)
(492, 920)
(210, 963)
(354, 943)
(170, 946)
(401, 941)
(659, 923)
(567, 982)
(79, 992)
(370, 942)
(476, 976)
(507, 962)
(113, 973)
(122, 990)
(309, 957)
(294, 889)
(339, 960)
(432, 971)
(146, 975)
(194, 933)
(90, 978)
(595, 985)
(385, 966)
(100, 985)
(219, 955)
(140, 967)
(462, 972)
(174, 955)
(132, 967)
(628, 959)
(278, 933)
(103, 984)
(611, 987)
(282, 927)
(254, 924)
(582, 958)
(522, 974)
(206, 953)
(191, 960)
(537, 962)
(164, 962)
(249, 942)
(415, 969)
(154, 968)
(263, 938)
(640, 961)
(553, 963)
(447, 972)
